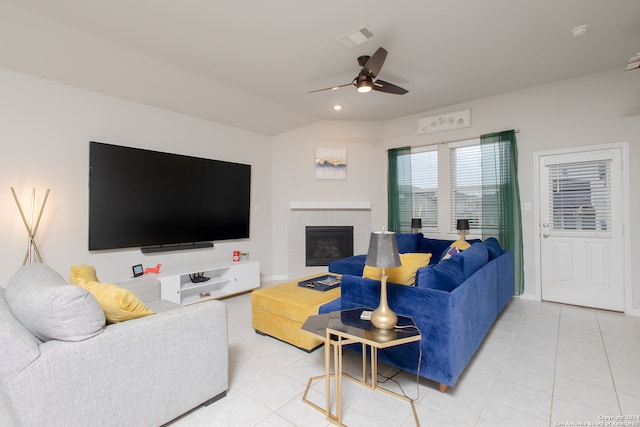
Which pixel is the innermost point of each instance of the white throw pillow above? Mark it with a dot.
(52, 309)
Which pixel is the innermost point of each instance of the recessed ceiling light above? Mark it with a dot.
(579, 31)
(337, 107)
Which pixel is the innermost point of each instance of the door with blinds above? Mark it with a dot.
(581, 235)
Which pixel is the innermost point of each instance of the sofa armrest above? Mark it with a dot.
(145, 371)
(19, 346)
(506, 278)
(353, 265)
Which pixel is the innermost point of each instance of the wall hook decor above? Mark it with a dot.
(32, 228)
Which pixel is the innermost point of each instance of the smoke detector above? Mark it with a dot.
(356, 37)
(579, 31)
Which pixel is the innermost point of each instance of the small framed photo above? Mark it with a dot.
(137, 270)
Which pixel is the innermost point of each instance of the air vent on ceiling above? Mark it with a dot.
(356, 37)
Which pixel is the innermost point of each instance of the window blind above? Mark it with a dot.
(424, 177)
(580, 196)
(466, 186)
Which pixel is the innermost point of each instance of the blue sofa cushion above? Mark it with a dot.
(445, 276)
(353, 265)
(474, 258)
(455, 248)
(494, 247)
(435, 247)
(409, 242)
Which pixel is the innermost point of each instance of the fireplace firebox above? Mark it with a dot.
(327, 243)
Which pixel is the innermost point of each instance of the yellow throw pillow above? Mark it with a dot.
(403, 275)
(119, 304)
(82, 271)
(455, 248)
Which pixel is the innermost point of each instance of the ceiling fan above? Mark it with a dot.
(366, 80)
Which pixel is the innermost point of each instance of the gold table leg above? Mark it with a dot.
(337, 366)
(338, 374)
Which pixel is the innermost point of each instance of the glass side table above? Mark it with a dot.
(340, 328)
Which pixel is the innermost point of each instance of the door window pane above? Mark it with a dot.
(580, 196)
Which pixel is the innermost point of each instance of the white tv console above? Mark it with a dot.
(225, 279)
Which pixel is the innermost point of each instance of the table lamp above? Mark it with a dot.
(383, 253)
(462, 225)
(416, 224)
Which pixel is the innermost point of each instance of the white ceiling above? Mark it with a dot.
(250, 63)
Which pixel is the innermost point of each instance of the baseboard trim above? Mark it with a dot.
(275, 277)
(215, 398)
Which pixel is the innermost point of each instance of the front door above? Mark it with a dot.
(581, 233)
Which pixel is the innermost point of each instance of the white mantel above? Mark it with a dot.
(329, 205)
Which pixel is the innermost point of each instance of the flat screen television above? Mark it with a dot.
(163, 201)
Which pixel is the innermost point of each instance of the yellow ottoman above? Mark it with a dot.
(281, 310)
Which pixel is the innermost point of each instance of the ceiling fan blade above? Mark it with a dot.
(386, 87)
(374, 64)
(332, 87)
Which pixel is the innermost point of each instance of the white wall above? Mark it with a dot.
(46, 128)
(44, 134)
(294, 176)
(593, 110)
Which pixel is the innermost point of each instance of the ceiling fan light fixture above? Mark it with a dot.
(365, 85)
(367, 79)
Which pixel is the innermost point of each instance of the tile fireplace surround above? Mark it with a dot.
(303, 214)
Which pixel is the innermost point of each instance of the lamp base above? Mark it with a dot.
(383, 317)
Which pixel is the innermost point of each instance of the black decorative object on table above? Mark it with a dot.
(322, 283)
(198, 277)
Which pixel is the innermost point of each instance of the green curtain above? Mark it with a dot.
(499, 156)
(399, 190)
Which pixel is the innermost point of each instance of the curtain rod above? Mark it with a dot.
(452, 141)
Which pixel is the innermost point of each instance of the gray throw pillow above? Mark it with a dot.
(52, 309)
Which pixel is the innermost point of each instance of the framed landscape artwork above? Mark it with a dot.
(331, 163)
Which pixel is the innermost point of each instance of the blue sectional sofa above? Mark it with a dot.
(454, 302)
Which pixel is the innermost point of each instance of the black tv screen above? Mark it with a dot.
(144, 198)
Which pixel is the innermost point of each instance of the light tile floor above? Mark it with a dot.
(542, 364)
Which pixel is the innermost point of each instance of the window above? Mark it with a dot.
(466, 185)
(476, 180)
(424, 178)
(440, 204)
